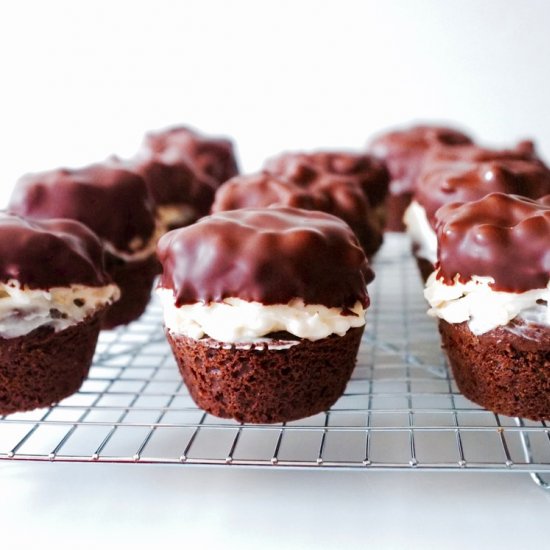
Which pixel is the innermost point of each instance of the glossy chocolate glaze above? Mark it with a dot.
(110, 200)
(304, 169)
(269, 255)
(524, 150)
(261, 190)
(506, 237)
(403, 151)
(212, 156)
(172, 181)
(461, 181)
(49, 253)
(336, 195)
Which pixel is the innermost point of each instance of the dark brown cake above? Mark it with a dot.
(212, 156)
(266, 384)
(46, 345)
(266, 257)
(112, 201)
(506, 370)
(403, 151)
(501, 365)
(43, 367)
(336, 195)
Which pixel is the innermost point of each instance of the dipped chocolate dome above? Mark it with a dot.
(506, 237)
(267, 255)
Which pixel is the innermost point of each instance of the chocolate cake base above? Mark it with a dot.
(506, 370)
(135, 280)
(42, 367)
(266, 383)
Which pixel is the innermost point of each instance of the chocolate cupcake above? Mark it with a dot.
(442, 182)
(115, 204)
(491, 293)
(53, 293)
(336, 195)
(211, 156)
(311, 169)
(180, 193)
(264, 310)
(403, 151)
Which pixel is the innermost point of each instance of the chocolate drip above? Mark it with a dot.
(269, 255)
(505, 237)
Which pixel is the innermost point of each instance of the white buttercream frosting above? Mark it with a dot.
(484, 308)
(236, 320)
(23, 310)
(421, 232)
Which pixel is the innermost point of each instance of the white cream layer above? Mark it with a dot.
(421, 232)
(23, 310)
(141, 250)
(174, 215)
(236, 320)
(482, 307)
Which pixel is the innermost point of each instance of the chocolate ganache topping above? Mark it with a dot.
(506, 237)
(267, 255)
(49, 253)
(524, 150)
(336, 195)
(303, 169)
(110, 200)
(171, 180)
(404, 151)
(212, 156)
(446, 182)
(259, 190)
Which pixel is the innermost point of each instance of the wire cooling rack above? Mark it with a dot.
(400, 411)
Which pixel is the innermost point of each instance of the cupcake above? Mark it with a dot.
(115, 204)
(181, 194)
(264, 310)
(309, 169)
(403, 152)
(336, 195)
(54, 291)
(491, 293)
(443, 182)
(210, 156)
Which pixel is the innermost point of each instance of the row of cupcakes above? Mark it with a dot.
(479, 223)
(270, 262)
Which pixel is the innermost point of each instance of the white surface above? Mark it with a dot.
(103, 506)
(83, 80)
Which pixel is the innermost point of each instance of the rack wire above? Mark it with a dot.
(400, 411)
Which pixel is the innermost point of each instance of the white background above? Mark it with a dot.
(81, 80)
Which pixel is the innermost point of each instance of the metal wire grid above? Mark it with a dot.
(401, 410)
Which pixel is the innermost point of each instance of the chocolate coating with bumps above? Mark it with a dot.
(305, 169)
(404, 150)
(171, 180)
(505, 237)
(444, 183)
(337, 195)
(212, 156)
(524, 150)
(49, 253)
(267, 255)
(110, 200)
